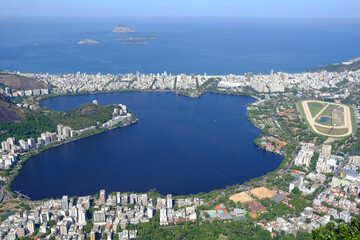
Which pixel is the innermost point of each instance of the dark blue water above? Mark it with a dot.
(323, 119)
(179, 145)
(184, 45)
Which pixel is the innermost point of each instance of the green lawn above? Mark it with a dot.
(329, 108)
(315, 108)
(335, 132)
(326, 113)
(338, 131)
(353, 120)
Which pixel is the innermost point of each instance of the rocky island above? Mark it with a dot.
(134, 42)
(122, 29)
(87, 42)
(135, 38)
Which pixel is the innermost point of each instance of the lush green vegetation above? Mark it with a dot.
(25, 207)
(32, 126)
(348, 145)
(83, 116)
(51, 223)
(281, 182)
(341, 83)
(343, 231)
(355, 144)
(89, 225)
(339, 67)
(299, 203)
(276, 210)
(210, 83)
(207, 230)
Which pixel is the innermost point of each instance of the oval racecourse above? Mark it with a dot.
(328, 119)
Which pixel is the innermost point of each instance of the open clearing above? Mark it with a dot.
(328, 119)
(262, 192)
(241, 197)
(315, 108)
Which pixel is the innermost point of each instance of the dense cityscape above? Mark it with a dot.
(180, 120)
(317, 183)
(274, 82)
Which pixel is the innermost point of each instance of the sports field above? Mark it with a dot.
(262, 192)
(241, 197)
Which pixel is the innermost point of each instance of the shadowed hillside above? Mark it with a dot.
(9, 112)
(15, 81)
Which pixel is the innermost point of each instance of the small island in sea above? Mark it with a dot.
(135, 38)
(122, 29)
(87, 42)
(134, 42)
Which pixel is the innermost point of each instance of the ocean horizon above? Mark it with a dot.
(215, 46)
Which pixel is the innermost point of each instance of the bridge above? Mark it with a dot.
(22, 195)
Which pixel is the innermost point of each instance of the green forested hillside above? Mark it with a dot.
(83, 116)
(36, 123)
(338, 67)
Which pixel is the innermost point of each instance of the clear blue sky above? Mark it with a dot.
(237, 8)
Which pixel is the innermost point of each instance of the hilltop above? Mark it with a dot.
(351, 65)
(85, 115)
(16, 81)
(9, 112)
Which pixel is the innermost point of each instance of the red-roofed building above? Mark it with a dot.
(255, 207)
